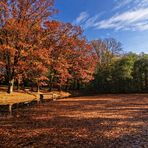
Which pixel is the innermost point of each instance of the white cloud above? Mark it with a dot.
(90, 22)
(83, 16)
(129, 20)
(130, 4)
(143, 3)
(142, 26)
(121, 3)
(87, 21)
(130, 15)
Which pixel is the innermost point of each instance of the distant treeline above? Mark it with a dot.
(118, 72)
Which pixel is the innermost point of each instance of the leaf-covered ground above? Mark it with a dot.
(105, 121)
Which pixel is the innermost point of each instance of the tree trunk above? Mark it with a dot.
(38, 88)
(18, 83)
(74, 85)
(50, 86)
(32, 87)
(78, 85)
(59, 88)
(10, 86)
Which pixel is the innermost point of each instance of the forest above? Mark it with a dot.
(119, 72)
(42, 52)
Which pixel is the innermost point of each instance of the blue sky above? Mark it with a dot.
(125, 20)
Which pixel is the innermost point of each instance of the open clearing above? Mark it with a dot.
(101, 121)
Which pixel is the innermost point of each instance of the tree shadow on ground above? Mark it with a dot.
(81, 122)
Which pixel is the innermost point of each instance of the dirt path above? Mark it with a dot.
(105, 121)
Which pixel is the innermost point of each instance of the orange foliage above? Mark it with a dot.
(31, 46)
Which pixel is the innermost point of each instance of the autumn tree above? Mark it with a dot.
(19, 20)
(71, 56)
